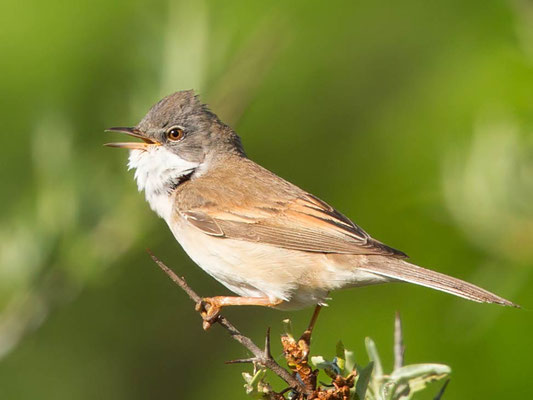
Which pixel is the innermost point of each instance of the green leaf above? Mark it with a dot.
(417, 371)
(318, 361)
(254, 386)
(349, 358)
(247, 377)
(257, 377)
(340, 353)
(373, 355)
(363, 380)
(419, 375)
(330, 368)
(404, 382)
(287, 325)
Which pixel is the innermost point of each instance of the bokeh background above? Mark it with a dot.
(415, 119)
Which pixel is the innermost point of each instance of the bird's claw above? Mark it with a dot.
(209, 309)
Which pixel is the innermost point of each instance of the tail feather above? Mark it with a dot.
(404, 271)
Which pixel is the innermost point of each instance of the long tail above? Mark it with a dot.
(402, 270)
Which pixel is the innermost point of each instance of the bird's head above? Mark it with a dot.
(179, 136)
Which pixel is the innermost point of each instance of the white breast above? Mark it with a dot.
(156, 170)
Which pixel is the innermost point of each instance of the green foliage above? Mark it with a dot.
(370, 383)
(255, 385)
(363, 380)
(402, 382)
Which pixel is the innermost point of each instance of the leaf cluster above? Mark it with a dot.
(348, 380)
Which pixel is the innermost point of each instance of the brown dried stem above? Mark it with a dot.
(297, 354)
(261, 357)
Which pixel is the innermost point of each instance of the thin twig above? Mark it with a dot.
(313, 320)
(175, 278)
(267, 352)
(261, 356)
(242, 361)
(399, 348)
(441, 391)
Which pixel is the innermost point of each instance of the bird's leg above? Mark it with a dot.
(209, 307)
(306, 336)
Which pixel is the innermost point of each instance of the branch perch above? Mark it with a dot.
(262, 357)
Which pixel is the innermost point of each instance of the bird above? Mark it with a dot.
(268, 241)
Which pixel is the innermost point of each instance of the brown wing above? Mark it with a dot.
(304, 223)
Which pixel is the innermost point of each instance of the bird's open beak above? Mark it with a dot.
(132, 145)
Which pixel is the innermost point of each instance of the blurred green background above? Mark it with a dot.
(415, 119)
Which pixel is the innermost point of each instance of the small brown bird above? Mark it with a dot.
(264, 238)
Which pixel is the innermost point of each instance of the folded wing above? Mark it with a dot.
(305, 223)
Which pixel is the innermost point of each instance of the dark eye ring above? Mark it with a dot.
(175, 133)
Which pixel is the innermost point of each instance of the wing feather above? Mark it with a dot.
(305, 224)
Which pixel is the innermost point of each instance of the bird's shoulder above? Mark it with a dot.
(236, 181)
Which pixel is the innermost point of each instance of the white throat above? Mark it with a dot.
(157, 171)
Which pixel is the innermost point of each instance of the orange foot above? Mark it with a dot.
(209, 307)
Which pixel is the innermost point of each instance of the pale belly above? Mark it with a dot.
(250, 269)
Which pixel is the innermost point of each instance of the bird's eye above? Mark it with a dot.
(175, 133)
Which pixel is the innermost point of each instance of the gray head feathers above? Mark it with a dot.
(204, 132)
(183, 106)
